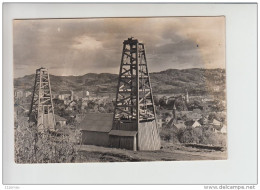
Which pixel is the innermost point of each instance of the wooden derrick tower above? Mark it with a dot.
(42, 110)
(134, 124)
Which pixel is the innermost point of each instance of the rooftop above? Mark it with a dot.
(99, 122)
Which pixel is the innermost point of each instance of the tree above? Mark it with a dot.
(156, 100)
(200, 135)
(163, 101)
(33, 147)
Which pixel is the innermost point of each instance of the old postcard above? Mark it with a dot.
(119, 89)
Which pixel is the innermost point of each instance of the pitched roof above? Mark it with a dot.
(216, 122)
(224, 129)
(171, 122)
(196, 124)
(217, 127)
(123, 133)
(189, 123)
(99, 122)
(180, 125)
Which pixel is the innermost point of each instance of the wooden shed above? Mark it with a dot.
(95, 128)
(123, 139)
(133, 136)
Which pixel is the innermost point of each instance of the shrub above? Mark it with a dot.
(201, 135)
(32, 147)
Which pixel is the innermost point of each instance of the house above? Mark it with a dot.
(176, 124)
(85, 93)
(27, 93)
(84, 104)
(216, 122)
(216, 125)
(79, 117)
(95, 128)
(159, 122)
(70, 104)
(224, 129)
(66, 95)
(192, 123)
(18, 94)
(203, 120)
(167, 119)
(60, 121)
(196, 124)
(180, 125)
(194, 116)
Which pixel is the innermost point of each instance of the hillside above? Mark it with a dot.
(196, 81)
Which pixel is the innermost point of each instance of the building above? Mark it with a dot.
(85, 93)
(27, 93)
(60, 121)
(84, 104)
(95, 128)
(216, 122)
(224, 129)
(79, 117)
(167, 119)
(196, 124)
(192, 123)
(18, 94)
(159, 122)
(123, 139)
(66, 95)
(180, 125)
(176, 123)
(216, 125)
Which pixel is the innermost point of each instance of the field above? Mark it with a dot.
(169, 152)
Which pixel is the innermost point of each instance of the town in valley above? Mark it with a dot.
(119, 89)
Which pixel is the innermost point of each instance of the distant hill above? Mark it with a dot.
(196, 81)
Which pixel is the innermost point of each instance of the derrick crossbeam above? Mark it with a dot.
(42, 110)
(134, 93)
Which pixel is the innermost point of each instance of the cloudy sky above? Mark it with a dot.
(80, 46)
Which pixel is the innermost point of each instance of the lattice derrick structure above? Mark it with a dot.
(134, 75)
(42, 104)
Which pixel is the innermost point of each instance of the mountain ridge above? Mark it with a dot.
(195, 80)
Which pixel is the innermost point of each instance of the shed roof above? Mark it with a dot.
(100, 122)
(123, 133)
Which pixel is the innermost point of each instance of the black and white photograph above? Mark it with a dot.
(119, 89)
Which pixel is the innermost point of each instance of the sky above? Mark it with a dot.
(80, 46)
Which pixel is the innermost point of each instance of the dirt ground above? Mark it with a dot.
(169, 152)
